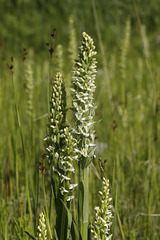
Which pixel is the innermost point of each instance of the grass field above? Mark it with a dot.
(127, 124)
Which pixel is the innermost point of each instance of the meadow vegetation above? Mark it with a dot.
(123, 99)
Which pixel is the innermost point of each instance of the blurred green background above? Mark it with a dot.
(127, 114)
(28, 23)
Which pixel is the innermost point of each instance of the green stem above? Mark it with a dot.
(61, 222)
(83, 203)
(117, 214)
(123, 93)
(63, 219)
(45, 200)
(19, 125)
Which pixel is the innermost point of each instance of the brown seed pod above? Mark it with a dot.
(43, 155)
(51, 50)
(53, 33)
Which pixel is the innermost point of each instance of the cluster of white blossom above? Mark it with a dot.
(42, 230)
(59, 141)
(65, 168)
(103, 215)
(83, 88)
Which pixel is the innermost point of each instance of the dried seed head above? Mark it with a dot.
(48, 44)
(51, 50)
(53, 33)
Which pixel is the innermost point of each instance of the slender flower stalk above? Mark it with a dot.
(83, 88)
(72, 50)
(59, 58)
(103, 215)
(42, 230)
(124, 48)
(29, 89)
(123, 64)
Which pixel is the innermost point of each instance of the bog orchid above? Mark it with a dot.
(83, 88)
(42, 230)
(59, 141)
(103, 215)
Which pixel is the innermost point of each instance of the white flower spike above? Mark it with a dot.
(83, 88)
(103, 215)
